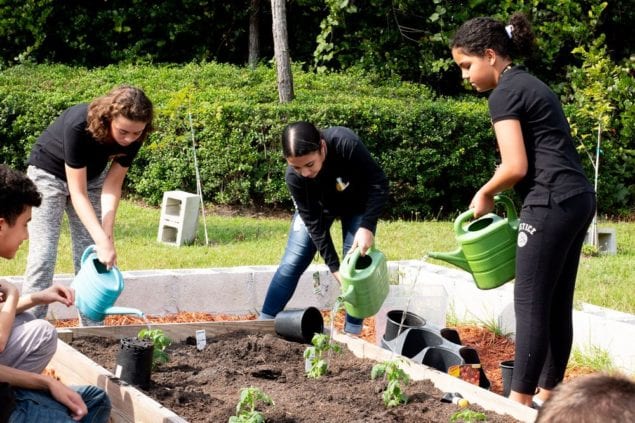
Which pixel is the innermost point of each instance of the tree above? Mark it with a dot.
(281, 51)
(254, 30)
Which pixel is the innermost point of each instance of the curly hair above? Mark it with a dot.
(17, 192)
(599, 397)
(479, 34)
(124, 100)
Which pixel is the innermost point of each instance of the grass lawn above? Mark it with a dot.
(606, 280)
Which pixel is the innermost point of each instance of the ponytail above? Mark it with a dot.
(479, 34)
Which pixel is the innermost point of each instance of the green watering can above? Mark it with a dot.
(487, 246)
(364, 282)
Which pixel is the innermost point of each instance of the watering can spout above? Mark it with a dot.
(455, 257)
(349, 295)
(123, 310)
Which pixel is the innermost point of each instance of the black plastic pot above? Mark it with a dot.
(299, 325)
(134, 362)
(507, 370)
(394, 325)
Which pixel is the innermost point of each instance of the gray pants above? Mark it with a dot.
(45, 227)
(31, 344)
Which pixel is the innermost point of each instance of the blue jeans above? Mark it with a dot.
(297, 257)
(40, 406)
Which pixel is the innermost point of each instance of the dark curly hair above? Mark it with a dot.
(124, 100)
(17, 192)
(479, 34)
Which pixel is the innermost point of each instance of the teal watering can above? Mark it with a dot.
(97, 289)
(487, 246)
(364, 282)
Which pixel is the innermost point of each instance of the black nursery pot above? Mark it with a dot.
(134, 361)
(395, 325)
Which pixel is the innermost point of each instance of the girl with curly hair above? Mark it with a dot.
(78, 165)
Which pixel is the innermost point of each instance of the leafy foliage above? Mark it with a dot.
(315, 355)
(435, 151)
(160, 342)
(468, 416)
(246, 408)
(393, 395)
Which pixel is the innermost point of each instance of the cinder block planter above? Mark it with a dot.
(607, 240)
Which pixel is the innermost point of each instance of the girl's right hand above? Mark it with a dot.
(106, 254)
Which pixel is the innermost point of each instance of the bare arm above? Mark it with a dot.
(8, 303)
(56, 292)
(78, 188)
(512, 169)
(110, 196)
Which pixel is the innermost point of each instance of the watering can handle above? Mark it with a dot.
(92, 249)
(354, 256)
(509, 206)
(87, 252)
(469, 214)
(463, 217)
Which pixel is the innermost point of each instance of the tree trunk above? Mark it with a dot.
(281, 51)
(254, 31)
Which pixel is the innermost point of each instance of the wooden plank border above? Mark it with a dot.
(443, 381)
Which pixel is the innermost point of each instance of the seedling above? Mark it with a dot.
(160, 342)
(246, 408)
(318, 366)
(393, 394)
(468, 416)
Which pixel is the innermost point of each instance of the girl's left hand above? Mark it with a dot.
(364, 239)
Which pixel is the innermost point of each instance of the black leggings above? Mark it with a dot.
(550, 239)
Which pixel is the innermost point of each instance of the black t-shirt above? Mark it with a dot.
(350, 182)
(66, 141)
(554, 167)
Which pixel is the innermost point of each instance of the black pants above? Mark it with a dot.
(550, 239)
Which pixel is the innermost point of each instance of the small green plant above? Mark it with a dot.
(589, 250)
(493, 325)
(160, 342)
(315, 355)
(591, 357)
(246, 408)
(393, 394)
(468, 416)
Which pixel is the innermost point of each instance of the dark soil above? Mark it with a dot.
(204, 386)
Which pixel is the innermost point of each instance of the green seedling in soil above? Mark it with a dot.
(468, 416)
(246, 408)
(315, 355)
(393, 394)
(160, 342)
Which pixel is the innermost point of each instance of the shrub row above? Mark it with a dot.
(435, 151)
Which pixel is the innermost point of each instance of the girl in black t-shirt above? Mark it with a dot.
(68, 165)
(539, 160)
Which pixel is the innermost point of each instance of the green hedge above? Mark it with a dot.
(436, 152)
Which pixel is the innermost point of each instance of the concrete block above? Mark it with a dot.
(179, 218)
(607, 240)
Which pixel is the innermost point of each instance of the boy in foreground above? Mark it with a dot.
(27, 344)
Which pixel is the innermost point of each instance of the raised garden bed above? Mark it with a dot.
(257, 357)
